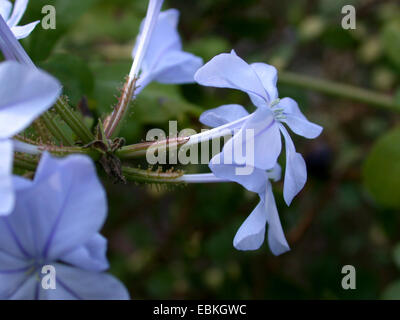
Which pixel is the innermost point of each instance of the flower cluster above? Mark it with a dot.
(55, 218)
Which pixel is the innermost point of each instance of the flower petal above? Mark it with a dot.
(222, 115)
(76, 284)
(25, 94)
(21, 32)
(275, 173)
(297, 122)
(164, 60)
(276, 237)
(296, 170)
(12, 274)
(164, 37)
(254, 181)
(227, 70)
(26, 288)
(177, 67)
(262, 128)
(269, 77)
(18, 12)
(72, 212)
(21, 183)
(251, 233)
(5, 9)
(91, 256)
(7, 197)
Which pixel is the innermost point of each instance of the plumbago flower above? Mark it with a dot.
(13, 16)
(164, 60)
(25, 93)
(258, 80)
(56, 222)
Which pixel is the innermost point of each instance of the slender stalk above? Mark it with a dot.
(218, 132)
(73, 121)
(353, 93)
(42, 130)
(55, 130)
(24, 162)
(21, 144)
(150, 22)
(64, 151)
(114, 121)
(201, 178)
(10, 46)
(148, 176)
(23, 147)
(140, 149)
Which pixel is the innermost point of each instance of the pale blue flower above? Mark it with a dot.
(164, 60)
(258, 80)
(25, 93)
(13, 15)
(56, 222)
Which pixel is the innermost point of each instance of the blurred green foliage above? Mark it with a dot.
(178, 243)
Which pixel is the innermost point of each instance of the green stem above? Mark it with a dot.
(56, 130)
(74, 122)
(369, 97)
(64, 151)
(148, 176)
(41, 130)
(140, 149)
(114, 122)
(25, 163)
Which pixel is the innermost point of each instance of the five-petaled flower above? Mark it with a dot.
(56, 221)
(258, 80)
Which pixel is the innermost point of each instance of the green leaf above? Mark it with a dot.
(382, 170)
(74, 74)
(41, 41)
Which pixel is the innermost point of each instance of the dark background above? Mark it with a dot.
(177, 243)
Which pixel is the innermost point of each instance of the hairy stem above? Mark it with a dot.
(42, 130)
(140, 149)
(148, 176)
(23, 162)
(114, 121)
(55, 130)
(73, 121)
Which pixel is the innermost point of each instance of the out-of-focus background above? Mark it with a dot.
(178, 243)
